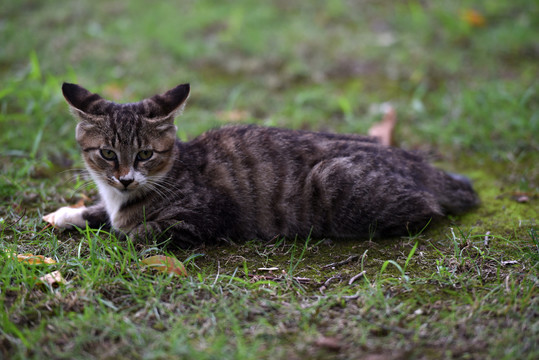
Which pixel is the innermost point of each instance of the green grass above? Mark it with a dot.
(465, 95)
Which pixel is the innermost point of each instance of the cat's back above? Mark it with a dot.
(265, 143)
(285, 181)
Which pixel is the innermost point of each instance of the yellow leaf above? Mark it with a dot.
(233, 115)
(33, 259)
(473, 17)
(114, 91)
(165, 264)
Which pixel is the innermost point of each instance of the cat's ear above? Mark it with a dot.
(83, 101)
(169, 104)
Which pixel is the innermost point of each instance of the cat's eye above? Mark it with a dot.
(108, 154)
(144, 155)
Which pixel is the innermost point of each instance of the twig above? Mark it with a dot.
(335, 264)
(218, 271)
(19, 219)
(302, 280)
(44, 228)
(509, 262)
(326, 283)
(351, 297)
(487, 239)
(268, 269)
(354, 278)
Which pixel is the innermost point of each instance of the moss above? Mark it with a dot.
(456, 244)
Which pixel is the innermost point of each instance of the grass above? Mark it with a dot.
(465, 94)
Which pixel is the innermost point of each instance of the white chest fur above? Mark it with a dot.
(113, 201)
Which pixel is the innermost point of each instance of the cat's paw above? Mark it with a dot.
(66, 217)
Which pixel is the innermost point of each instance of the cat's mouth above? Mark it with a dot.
(125, 190)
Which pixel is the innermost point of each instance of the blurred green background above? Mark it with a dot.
(461, 74)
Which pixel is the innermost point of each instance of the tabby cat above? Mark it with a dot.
(245, 182)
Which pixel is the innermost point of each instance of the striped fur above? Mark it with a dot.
(246, 182)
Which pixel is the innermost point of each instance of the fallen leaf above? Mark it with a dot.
(114, 91)
(33, 259)
(233, 115)
(383, 130)
(473, 17)
(523, 199)
(54, 279)
(166, 264)
(330, 343)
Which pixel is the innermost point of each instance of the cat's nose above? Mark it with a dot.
(126, 182)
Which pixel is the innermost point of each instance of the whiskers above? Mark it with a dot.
(80, 177)
(83, 179)
(75, 174)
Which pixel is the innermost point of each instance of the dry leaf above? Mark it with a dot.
(54, 279)
(166, 264)
(33, 259)
(114, 91)
(524, 197)
(383, 130)
(330, 343)
(233, 115)
(473, 17)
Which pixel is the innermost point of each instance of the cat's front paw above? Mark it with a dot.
(66, 217)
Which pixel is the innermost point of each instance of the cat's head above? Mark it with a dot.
(127, 148)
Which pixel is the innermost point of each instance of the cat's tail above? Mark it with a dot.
(457, 195)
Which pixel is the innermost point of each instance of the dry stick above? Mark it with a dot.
(302, 280)
(354, 278)
(351, 297)
(486, 239)
(350, 259)
(509, 262)
(19, 219)
(218, 271)
(326, 283)
(268, 269)
(44, 228)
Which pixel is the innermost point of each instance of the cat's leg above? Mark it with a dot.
(68, 217)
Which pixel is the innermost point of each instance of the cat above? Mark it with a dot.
(246, 182)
